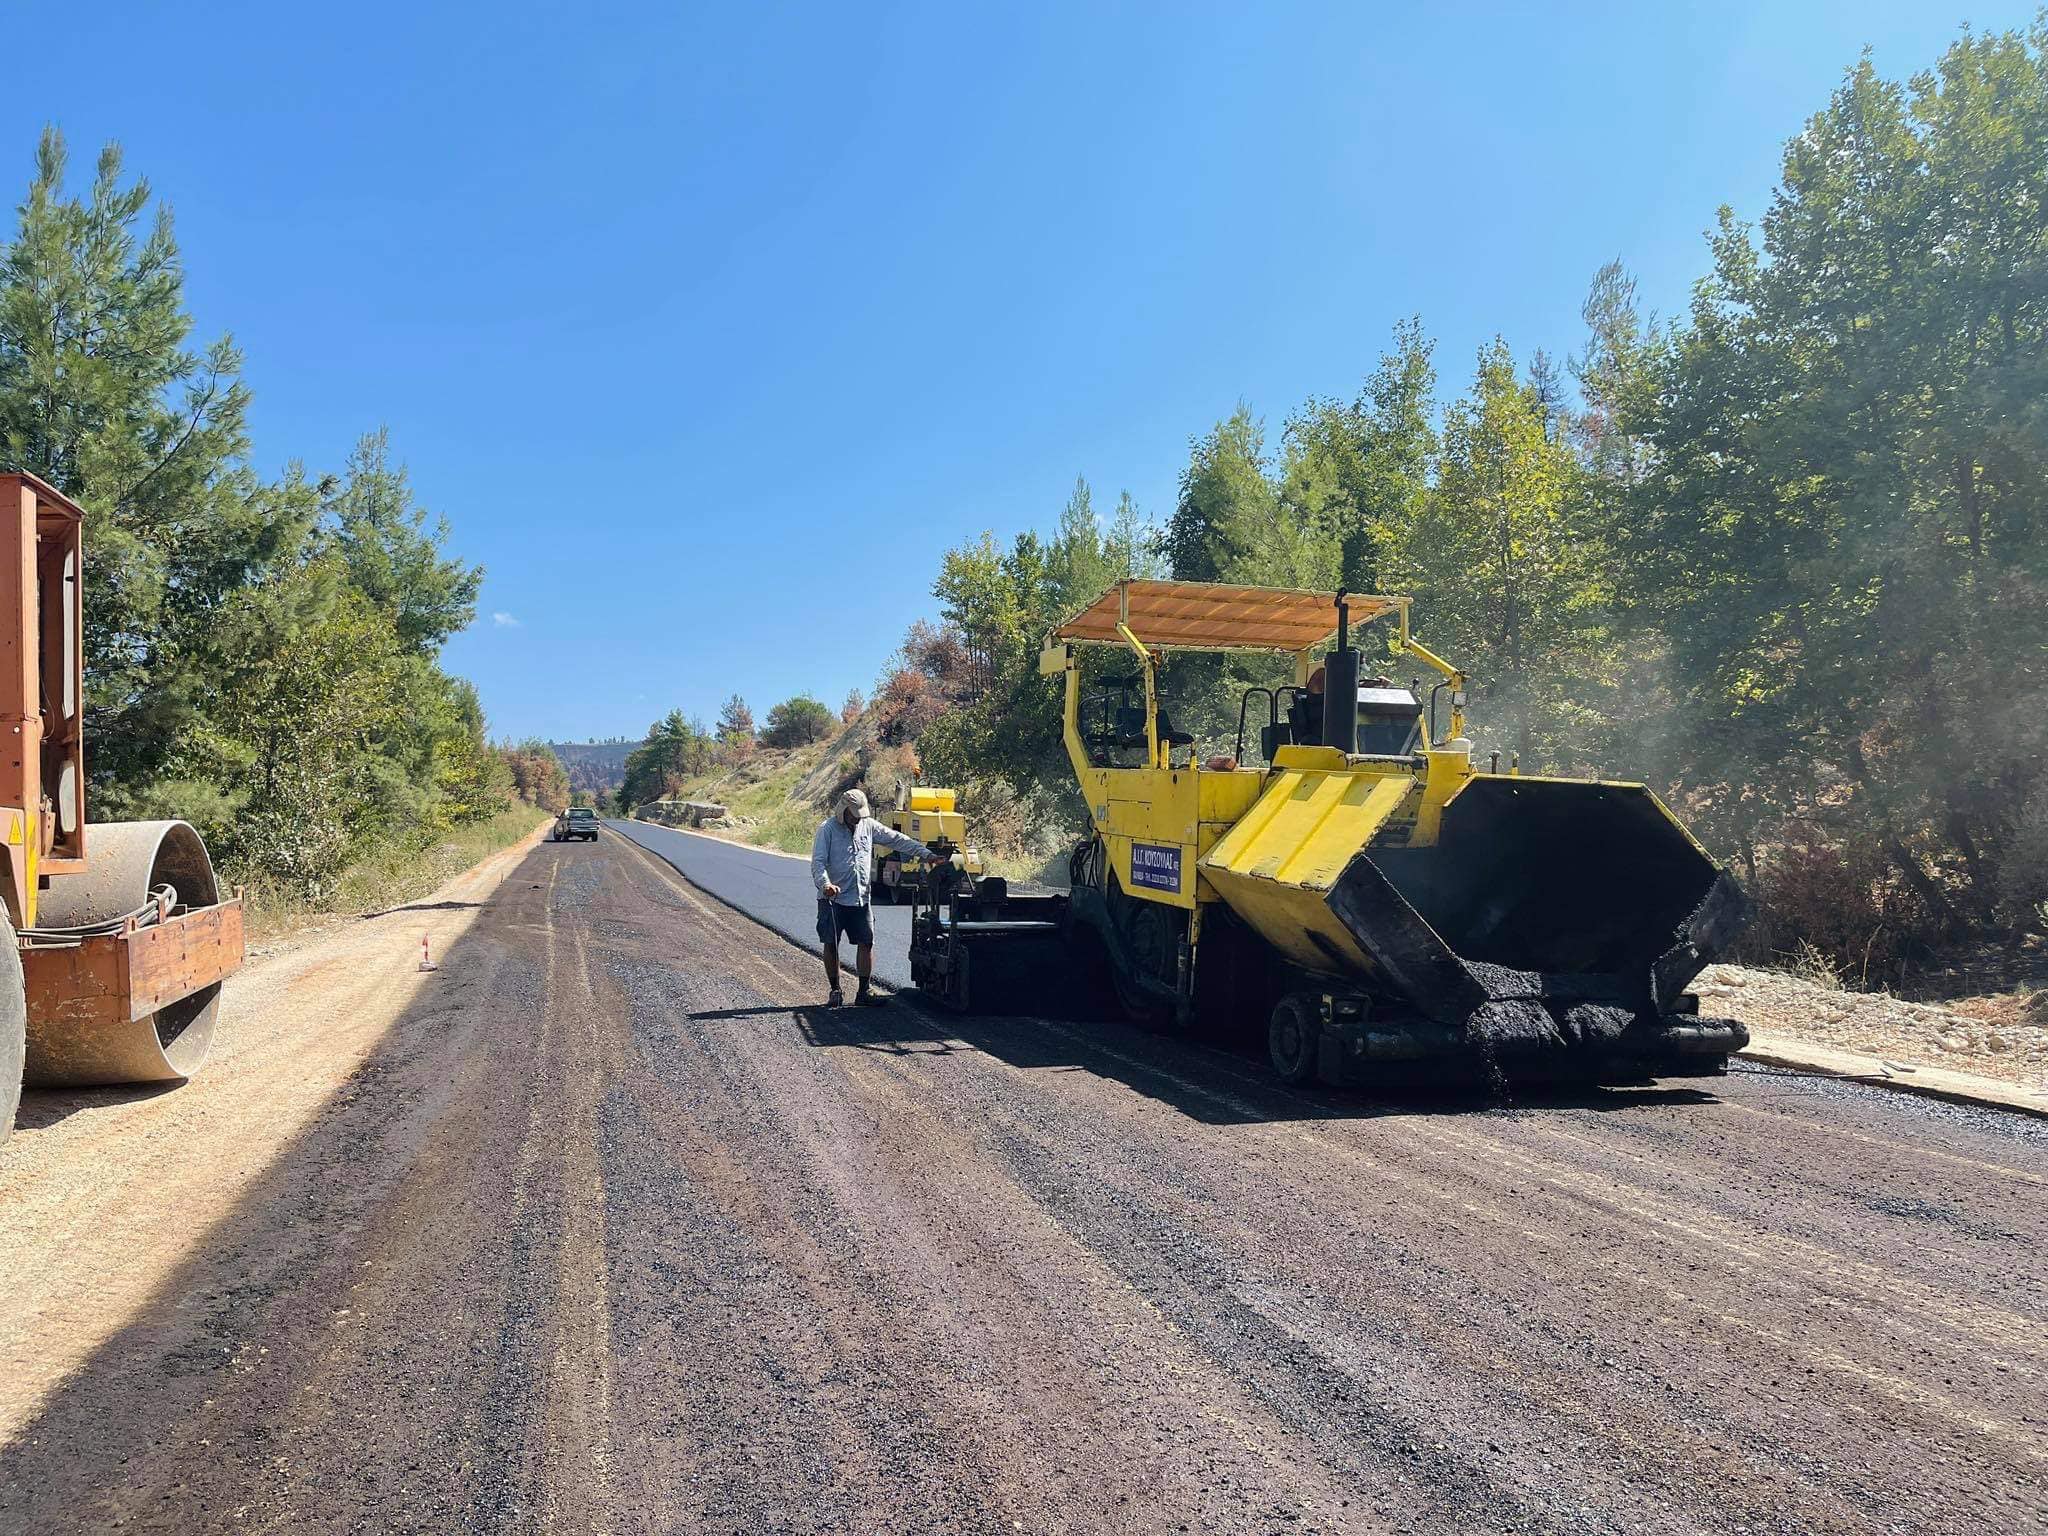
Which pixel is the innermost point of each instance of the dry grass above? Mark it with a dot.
(2002, 1036)
(387, 879)
(760, 795)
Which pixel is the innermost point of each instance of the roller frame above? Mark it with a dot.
(138, 1004)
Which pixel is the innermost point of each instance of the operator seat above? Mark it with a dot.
(1130, 729)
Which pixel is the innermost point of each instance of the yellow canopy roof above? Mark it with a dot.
(1209, 616)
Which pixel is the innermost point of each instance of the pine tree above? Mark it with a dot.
(735, 721)
(1225, 499)
(1130, 548)
(100, 396)
(1081, 566)
(394, 554)
(1363, 465)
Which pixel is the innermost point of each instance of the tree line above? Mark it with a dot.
(1784, 555)
(678, 748)
(261, 655)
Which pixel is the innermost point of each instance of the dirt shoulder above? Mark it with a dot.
(2004, 1039)
(106, 1191)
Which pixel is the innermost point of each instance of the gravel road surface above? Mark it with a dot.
(602, 1227)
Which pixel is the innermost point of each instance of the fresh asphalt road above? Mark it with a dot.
(770, 887)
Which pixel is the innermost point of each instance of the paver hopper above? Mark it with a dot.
(1540, 919)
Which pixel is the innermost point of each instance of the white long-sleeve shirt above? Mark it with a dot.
(845, 856)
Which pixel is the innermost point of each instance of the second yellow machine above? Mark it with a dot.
(1386, 907)
(933, 815)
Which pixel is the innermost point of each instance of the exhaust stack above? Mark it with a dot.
(1340, 687)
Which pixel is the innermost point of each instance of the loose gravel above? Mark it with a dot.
(606, 1226)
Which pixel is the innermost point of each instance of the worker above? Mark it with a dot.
(842, 864)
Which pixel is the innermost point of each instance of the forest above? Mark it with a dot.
(262, 653)
(1784, 556)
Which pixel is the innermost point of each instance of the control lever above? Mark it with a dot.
(948, 875)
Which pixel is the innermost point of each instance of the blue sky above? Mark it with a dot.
(708, 328)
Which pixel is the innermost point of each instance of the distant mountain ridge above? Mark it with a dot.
(593, 765)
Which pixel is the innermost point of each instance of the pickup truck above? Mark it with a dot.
(577, 821)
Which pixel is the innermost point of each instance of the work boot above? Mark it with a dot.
(866, 998)
(835, 999)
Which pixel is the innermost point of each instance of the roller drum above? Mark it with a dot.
(126, 861)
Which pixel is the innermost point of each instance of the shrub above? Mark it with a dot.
(1825, 906)
(797, 722)
(889, 773)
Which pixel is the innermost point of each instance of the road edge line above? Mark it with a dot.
(730, 842)
(1927, 1082)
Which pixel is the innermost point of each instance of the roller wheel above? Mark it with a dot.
(1151, 935)
(13, 1027)
(1294, 1038)
(125, 861)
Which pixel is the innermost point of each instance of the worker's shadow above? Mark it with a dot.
(898, 1028)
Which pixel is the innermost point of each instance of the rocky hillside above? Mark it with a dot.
(593, 766)
(775, 798)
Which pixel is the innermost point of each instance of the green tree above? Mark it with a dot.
(1503, 578)
(1082, 566)
(262, 657)
(676, 748)
(1617, 372)
(1130, 547)
(978, 595)
(309, 678)
(1844, 518)
(735, 721)
(1225, 501)
(101, 395)
(798, 722)
(471, 781)
(395, 554)
(1363, 465)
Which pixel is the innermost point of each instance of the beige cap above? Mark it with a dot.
(854, 800)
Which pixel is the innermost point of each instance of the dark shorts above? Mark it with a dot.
(836, 922)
